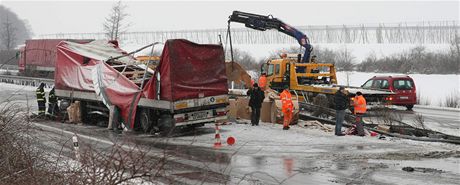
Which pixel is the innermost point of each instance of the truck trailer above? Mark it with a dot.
(187, 88)
(38, 56)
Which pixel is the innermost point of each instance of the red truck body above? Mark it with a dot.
(38, 56)
(188, 87)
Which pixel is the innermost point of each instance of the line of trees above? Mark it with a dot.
(417, 60)
(343, 59)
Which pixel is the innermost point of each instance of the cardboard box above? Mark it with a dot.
(277, 114)
(265, 111)
(243, 110)
(74, 112)
(232, 109)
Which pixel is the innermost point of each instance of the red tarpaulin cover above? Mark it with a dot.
(74, 71)
(189, 70)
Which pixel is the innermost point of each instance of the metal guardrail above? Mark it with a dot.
(27, 81)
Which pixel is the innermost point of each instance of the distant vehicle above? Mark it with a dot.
(403, 87)
(38, 57)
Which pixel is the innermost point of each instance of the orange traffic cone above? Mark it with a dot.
(217, 143)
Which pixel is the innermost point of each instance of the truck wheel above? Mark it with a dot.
(145, 120)
(409, 107)
(167, 125)
(84, 113)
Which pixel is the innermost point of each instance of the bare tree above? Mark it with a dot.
(325, 55)
(345, 60)
(7, 34)
(245, 59)
(115, 24)
(13, 30)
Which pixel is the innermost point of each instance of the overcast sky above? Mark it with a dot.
(87, 16)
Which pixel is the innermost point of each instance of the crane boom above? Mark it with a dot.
(262, 23)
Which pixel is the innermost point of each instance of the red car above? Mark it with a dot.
(402, 86)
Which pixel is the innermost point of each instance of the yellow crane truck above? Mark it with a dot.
(301, 73)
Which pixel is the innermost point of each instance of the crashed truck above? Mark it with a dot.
(188, 87)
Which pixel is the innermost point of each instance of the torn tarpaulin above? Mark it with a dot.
(74, 66)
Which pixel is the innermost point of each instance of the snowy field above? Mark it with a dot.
(8, 71)
(431, 88)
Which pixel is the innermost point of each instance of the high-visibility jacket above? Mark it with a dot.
(262, 82)
(359, 104)
(286, 100)
(40, 92)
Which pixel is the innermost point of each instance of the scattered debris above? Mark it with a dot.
(423, 170)
(383, 128)
(317, 125)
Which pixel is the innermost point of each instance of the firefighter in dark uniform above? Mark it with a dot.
(41, 100)
(52, 104)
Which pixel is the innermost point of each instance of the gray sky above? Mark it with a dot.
(87, 16)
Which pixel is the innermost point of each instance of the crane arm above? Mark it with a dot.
(262, 23)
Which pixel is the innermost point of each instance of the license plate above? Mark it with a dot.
(199, 115)
(403, 97)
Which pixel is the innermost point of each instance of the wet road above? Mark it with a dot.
(315, 159)
(443, 120)
(268, 155)
(447, 121)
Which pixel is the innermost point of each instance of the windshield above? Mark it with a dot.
(368, 84)
(403, 84)
(381, 84)
(270, 70)
(376, 84)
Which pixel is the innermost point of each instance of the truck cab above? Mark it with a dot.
(299, 76)
(308, 80)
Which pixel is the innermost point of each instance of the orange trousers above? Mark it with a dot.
(287, 118)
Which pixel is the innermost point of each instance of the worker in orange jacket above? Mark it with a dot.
(263, 82)
(359, 104)
(287, 107)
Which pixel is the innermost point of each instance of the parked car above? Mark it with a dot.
(403, 87)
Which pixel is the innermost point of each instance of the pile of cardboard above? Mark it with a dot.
(270, 111)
